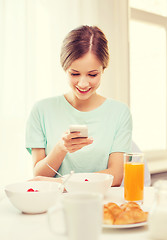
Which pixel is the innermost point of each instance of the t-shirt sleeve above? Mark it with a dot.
(35, 136)
(123, 136)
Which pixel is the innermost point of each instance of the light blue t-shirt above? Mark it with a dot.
(110, 125)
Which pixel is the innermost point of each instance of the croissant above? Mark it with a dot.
(129, 205)
(108, 217)
(131, 216)
(127, 213)
(114, 209)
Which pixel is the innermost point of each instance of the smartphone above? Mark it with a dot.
(83, 129)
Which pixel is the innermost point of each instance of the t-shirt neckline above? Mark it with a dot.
(99, 108)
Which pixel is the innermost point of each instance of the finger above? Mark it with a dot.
(65, 135)
(74, 135)
(77, 144)
(74, 138)
(68, 136)
(77, 141)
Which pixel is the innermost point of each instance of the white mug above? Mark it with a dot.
(82, 214)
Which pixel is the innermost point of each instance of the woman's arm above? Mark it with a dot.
(115, 168)
(54, 159)
(50, 179)
(69, 143)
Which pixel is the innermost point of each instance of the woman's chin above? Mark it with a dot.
(83, 95)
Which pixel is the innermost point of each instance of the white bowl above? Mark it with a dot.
(97, 182)
(33, 202)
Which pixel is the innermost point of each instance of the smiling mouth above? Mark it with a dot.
(83, 91)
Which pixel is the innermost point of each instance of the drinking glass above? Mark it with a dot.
(134, 177)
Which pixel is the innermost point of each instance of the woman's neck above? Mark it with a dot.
(85, 105)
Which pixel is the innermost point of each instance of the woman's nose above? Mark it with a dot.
(83, 82)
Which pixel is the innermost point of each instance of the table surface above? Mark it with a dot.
(15, 225)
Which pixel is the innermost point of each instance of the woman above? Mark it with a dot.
(84, 56)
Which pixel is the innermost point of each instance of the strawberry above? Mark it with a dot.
(30, 190)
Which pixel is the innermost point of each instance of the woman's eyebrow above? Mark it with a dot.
(74, 70)
(93, 71)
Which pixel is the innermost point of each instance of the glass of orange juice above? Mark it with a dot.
(134, 177)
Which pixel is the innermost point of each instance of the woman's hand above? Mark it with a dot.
(50, 179)
(72, 142)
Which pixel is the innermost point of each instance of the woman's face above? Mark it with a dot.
(84, 76)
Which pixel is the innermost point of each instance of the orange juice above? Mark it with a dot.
(133, 181)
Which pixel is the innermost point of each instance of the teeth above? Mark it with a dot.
(83, 90)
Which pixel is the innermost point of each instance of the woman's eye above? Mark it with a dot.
(74, 74)
(78, 74)
(93, 75)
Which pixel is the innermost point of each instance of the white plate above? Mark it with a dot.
(125, 225)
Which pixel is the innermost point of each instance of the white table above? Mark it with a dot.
(15, 225)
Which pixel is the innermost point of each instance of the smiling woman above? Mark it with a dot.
(30, 69)
(84, 56)
(84, 76)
